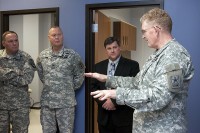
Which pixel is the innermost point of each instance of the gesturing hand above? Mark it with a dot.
(104, 94)
(97, 76)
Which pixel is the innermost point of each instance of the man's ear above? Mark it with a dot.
(3, 43)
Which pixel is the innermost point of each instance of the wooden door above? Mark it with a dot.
(131, 37)
(127, 35)
(104, 31)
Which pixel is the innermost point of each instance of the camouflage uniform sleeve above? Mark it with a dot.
(25, 74)
(142, 97)
(40, 69)
(7, 74)
(79, 69)
(119, 81)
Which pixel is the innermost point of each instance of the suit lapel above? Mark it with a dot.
(120, 65)
(105, 67)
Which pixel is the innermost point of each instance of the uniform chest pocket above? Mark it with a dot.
(59, 66)
(15, 63)
(65, 67)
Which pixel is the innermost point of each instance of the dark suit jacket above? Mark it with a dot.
(123, 115)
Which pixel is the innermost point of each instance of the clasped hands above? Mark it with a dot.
(101, 94)
(108, 105)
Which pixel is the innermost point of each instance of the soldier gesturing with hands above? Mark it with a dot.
(159, 91)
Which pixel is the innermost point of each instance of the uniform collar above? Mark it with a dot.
(159, 51)
(60, 53)
(165, 46)
(15, 56)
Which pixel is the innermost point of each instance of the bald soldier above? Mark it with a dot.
(61, 72)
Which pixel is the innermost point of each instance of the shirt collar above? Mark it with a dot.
(116, 61)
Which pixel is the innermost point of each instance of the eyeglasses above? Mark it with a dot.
(145, 30)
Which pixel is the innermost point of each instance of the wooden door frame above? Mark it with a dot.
(4, 16)
(90, 47)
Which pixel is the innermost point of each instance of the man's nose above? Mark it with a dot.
(143, 36)
(15, 42)
(112, 50)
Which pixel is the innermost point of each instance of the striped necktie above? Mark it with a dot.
(112, 69)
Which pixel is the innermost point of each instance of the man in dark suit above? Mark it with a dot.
(113, 118)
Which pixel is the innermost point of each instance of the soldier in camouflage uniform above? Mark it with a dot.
(61, 72)
(16, 72)
(159, 92)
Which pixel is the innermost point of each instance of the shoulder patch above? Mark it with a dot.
(81, 65)
(31, 62)
(174, 78)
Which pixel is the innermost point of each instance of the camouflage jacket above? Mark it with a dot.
(60, 74)
(159, 92)
(16, 72)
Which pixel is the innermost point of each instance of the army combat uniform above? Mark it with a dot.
(61, 74)
(159, 92)
(16, 72)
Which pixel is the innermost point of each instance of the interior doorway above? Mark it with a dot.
(91, 48)
(26, 24)
(5, 16)
(32, 27)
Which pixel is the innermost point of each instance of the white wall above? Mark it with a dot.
(30, 45)
(16, 24)
(32, 31)
(142, 50)
(45, 23)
